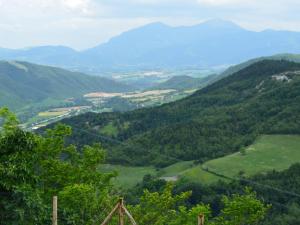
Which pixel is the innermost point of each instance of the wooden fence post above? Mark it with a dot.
(108, 218)
(121, 211)
(54, 210)
(201, 219)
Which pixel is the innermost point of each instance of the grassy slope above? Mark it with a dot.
(176, 169)
(128, 176)
(269, 152)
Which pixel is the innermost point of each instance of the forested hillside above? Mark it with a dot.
(238, 67)
(184, 83)
(34, 168)
(23, 83)
(217, 120)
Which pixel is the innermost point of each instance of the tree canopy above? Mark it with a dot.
(33, 168)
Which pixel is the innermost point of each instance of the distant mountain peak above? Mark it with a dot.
(209, 44)
(156, 24)
(220, 23)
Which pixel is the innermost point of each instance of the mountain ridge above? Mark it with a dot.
(24, 83)
(156, 45)
(216, 120)
(184, 82)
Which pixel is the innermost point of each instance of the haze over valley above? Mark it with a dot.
(159, 46)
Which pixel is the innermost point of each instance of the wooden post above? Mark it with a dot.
(54, 210)
(201, 219)
(121, 211)
(129, 216)
(108, 218)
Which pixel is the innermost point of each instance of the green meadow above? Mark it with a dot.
(128, 176)
(269, 152)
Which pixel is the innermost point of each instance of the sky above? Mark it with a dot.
(82, 24)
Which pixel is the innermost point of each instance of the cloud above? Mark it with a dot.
(84, 6)
(219, 2)
(46, 6)
(74, 4)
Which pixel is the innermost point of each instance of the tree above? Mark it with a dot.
(242, 209)
(165, 208)
(168, 209)
(243, 151)
(33, 168)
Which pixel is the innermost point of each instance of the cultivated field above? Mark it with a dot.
(51, 114)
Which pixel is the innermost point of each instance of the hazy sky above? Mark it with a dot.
(86, 23)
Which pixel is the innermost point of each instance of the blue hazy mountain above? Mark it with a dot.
(50, 55)
(212, 43)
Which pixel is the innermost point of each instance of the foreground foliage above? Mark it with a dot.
(34, 168)
(165, 208)
(279, 188)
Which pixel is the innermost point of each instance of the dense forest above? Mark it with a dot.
(34, 168)
(279, 189)
(219, 119)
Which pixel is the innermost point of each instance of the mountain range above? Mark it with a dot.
(212, 43)
(224, 117)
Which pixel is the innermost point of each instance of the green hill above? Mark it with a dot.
(23, 83)
(217, 120)
(239, 67)
(184, 83)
